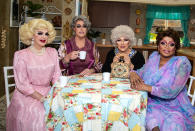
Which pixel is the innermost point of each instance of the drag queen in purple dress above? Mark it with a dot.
(164, 76)
(69, 50)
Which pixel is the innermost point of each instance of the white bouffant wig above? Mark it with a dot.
(27, 30)
(123, 31)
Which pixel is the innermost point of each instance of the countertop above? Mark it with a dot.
(187, 52)
(149, 46)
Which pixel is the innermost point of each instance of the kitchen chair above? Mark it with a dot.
(8, 73)
(191, 94)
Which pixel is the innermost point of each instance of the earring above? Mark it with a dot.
(32, 42)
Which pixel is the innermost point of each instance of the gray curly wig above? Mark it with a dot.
(123, 31)
(82, 18)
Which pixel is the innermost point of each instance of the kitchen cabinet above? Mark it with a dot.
(108, 14)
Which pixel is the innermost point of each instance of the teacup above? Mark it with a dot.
(63, 80)
(106, 76)
(82, 55)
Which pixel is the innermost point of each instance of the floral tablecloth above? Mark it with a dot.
(90, 104)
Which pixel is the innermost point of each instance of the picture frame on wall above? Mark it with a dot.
(80, 7)
(14, 13)
(78, 10)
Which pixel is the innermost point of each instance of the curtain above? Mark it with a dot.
(186, 42)
(169, 13)
(149, 23)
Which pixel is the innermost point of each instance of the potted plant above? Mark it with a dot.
(92, 35)
(30, 9)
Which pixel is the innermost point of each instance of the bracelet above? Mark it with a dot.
(65, 65)
(132, 71)
(63, 61)
(42, 99)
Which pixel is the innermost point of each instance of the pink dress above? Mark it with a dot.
(32, 73)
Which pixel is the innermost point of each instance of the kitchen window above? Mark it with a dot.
(168, 16)
(162, 24)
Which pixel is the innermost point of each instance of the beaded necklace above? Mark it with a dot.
(38, 52)
(131, 54)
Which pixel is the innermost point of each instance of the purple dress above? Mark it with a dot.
(168, 104)
(77, 66)
(31, 73)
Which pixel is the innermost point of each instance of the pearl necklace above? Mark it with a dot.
(38, 52)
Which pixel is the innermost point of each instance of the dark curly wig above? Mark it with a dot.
(170, 33)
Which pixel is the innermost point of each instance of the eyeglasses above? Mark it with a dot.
(125, 41)
(169, 44)
(41, 33)
(79, 26)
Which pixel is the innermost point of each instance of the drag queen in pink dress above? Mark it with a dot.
(34, 69)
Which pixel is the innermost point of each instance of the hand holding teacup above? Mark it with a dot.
(73, 55)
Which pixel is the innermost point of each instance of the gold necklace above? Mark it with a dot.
(38, 52)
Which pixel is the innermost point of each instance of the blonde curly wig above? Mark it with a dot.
(27, 30)
(123, 31)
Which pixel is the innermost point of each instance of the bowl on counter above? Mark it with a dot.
(192, 42)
